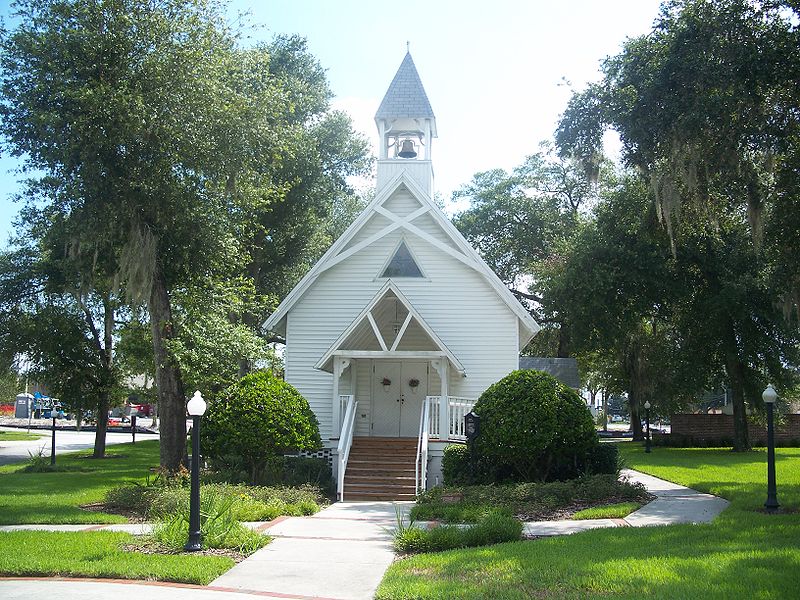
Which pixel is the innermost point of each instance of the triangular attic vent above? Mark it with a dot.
(402, 264)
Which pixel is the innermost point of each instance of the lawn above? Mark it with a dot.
(742, 554)
(100, 554)
(18, 436)
(56, 497)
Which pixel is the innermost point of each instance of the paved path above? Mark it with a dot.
(66, 441)
(674, 504)
(340, 553)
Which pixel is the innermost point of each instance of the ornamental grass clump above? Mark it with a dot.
(219, 528)
(495, 527)
(161, 498)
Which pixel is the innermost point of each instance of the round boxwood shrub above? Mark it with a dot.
(258, 418)
(533, 428)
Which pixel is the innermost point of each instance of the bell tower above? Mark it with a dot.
(406, 126)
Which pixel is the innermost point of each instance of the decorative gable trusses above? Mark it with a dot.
(373, 324)
(458, 248)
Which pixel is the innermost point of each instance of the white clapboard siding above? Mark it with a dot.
(456, 302)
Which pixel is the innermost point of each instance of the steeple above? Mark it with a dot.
(406, 126)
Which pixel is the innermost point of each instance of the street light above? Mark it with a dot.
(195, 407)
(769, 396)
(53, 442)
(647, 425)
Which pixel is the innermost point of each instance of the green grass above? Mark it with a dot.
(609, 511)
(100, 554)
(18, 436)
(740, 477)
(744, 553)
(56, 497)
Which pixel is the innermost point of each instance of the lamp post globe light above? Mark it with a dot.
(647, 426)
(195, 407)
(769, 396)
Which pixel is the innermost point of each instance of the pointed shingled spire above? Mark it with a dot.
(405, 98)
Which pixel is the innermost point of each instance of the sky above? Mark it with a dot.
(498, 74)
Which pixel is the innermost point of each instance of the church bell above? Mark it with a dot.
(407, 150)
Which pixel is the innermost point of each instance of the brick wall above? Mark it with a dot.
(720, 427)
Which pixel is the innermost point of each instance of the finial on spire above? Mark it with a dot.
(408, 46)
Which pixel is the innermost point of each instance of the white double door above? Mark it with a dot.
(396, 405)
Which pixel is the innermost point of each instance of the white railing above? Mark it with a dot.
(429, 427)
(343, 400)
(345, 440)
(433, 415)
(458, 407)
(421, 465)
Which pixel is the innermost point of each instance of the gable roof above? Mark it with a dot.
(405, 98)
(460, 250)
(366, 316)
(563, 369)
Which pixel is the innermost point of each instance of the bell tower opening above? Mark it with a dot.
(406, 126)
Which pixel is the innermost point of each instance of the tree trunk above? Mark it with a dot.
(103, 405)
(107, 359)
(563, 341)
(171, 396)
(604, 396)
(735, 371)
(636, 421)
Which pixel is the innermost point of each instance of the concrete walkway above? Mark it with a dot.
(674, 504)
(340, 553)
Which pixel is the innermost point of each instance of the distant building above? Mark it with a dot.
(563, 369)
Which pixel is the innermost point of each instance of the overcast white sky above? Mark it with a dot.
(494, 71)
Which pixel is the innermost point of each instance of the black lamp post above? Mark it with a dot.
(472, 429)
(195, 407)
(647, 426)
(769, 396)
(53, 441)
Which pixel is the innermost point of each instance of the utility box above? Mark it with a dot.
(22, 406)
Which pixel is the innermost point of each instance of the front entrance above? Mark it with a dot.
(396, 403)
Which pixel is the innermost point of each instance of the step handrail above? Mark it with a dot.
(345, 443)
(421, 464)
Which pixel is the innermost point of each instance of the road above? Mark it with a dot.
(66, 441)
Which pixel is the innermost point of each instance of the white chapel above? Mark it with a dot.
(401, 325)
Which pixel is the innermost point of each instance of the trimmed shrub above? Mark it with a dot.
(257, 419)
(604, 459)
(533, 428)
(456, 468)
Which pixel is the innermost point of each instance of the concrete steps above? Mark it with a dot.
(380, 468)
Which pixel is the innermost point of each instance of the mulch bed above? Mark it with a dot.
(133, 517)
(147, 546)
(567, 512)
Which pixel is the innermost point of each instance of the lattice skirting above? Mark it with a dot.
(325, 453)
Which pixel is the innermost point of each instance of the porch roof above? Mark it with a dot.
(389, 327)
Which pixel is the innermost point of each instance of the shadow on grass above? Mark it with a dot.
(55, 497)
